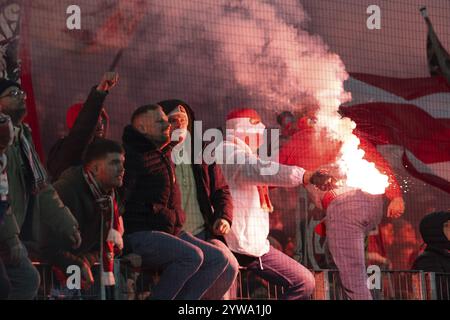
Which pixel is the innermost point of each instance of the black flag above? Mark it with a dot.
(438, 57)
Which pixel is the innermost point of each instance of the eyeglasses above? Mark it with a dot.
(15, 94)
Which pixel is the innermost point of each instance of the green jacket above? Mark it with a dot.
(74, 191)
(51, 219)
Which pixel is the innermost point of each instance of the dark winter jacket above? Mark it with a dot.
(49, 221)
(75, 193)
(213, 193)
(436, 257)
(151, 194)
(433, 260)
(68, 151)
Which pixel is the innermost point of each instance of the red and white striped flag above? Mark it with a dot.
(412, 113)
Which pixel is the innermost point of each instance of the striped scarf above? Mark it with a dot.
(39, 178)
(110, 226)
(264, 199)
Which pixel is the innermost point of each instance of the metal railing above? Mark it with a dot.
(135, 283)
(394, 285)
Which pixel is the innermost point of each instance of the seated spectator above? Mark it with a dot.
(435, 231)
(154, 216)
(86, 122)
(249, 182)
(90, 193)
(37, 212)
(206, 197)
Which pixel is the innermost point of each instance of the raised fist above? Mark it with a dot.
(109, 80)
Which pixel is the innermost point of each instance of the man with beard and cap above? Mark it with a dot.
(37, 215)
(205, 195)
(249, 181)
(86, 122)
(435, 231)
(154, 217)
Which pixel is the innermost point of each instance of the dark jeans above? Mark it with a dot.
(24, 279)
(5, 286)
(281, 270)
(190, 266)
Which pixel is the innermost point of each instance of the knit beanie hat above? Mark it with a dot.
(244, 119)
(431, 229)
(74, 110)
(5, 84)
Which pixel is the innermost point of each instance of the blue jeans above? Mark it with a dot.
(225, 286)
(190, 266)
(350, 218)
(281, 270)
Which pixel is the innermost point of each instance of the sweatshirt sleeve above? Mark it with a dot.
(68, 151)
(247, 168)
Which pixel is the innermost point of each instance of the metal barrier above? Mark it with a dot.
(135, 284)
(54, 287)
(438, 286)
(252, 287)
(394, 285)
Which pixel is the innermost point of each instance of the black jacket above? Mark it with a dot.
(436, 257)
(151, 194)
(213, 193)
(68, 151)
(433, 260)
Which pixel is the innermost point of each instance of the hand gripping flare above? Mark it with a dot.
(323, 180)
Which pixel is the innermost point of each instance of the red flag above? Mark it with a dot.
(412, 113)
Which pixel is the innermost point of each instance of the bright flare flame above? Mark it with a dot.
(359, 172)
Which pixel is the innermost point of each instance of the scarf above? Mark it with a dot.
(38, 175)
(264, 199)
(111, 225)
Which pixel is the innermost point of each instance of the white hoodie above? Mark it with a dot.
(250, 227)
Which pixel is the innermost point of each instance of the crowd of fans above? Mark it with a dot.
(194, 223)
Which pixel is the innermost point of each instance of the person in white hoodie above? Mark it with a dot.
(249, 177)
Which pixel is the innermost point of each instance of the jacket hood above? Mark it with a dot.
(169, 105)
(431, 229)
(70, 173)
(137, 140)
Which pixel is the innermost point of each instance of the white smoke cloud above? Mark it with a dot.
(253, 52)
(251, 49)
(216, 55)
